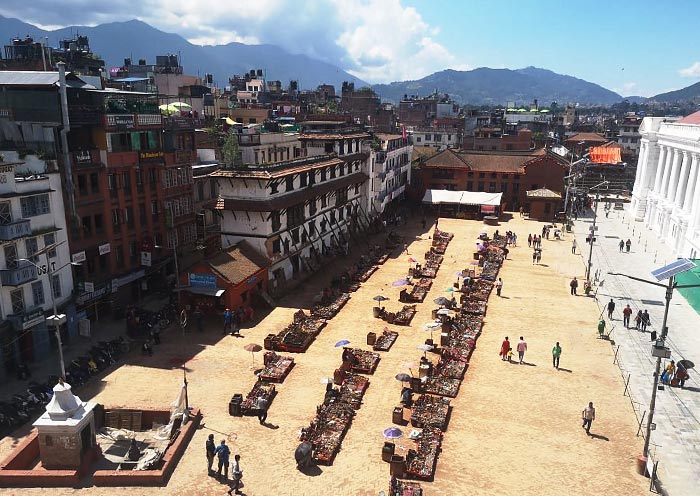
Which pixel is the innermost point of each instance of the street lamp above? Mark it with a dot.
(659, 349)
(55, 319)
(592, 231)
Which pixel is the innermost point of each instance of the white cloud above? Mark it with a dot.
(628, 88)
(690, 72)
(376, 40)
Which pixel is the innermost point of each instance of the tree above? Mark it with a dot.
(230, 153)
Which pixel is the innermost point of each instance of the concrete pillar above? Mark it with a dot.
(652, 166)
(691, 190)
(641, 165)
(695, 209)
(668, 188)
(661, 166)
(682, 182)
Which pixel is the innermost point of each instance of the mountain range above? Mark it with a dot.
(115, 41)
(134, 39)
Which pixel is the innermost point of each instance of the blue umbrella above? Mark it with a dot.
(342, 342)
(393, 433)
(449, 290)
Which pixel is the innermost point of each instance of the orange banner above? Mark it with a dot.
(605, 155)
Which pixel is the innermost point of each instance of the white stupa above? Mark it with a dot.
(66, 430)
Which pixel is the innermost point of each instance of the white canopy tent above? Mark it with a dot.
(438, 196)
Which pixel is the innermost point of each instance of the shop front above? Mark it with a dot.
(235, 279)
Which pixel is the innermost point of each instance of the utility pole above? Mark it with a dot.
(659, 344)
(591, 238)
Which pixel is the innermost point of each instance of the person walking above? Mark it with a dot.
(669, 372)
(573, 246)
(574, 286)
(499, 286)
(263, 405)
(621, 245)
(681, 375)
(223, 453)
(628, 245)
(556, 353)
(646, 320)
(638, 320)
(539, 255)
(626, 314)
(534, 256)
(405, 248)
(198, 318)
(237, 475)
(505, 347)
(515, 240)
(588, 416)
(521, 348)
(228, 319)
(211, 451)
(529, 240)
(611, 308)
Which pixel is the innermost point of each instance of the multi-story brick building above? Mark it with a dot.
(389, 171)
(512, 174)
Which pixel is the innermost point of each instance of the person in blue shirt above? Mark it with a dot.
(223, 453)
(228, 319)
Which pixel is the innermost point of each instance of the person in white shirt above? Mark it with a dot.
(237, 475)
(499, 286)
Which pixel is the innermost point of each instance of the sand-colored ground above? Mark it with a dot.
(514, 429)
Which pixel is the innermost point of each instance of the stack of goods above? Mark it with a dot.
(403, 317)
(428, 271)
(490, 271)
(418, 292)
(333, 418)
(327, 430)
(480, 289)
(330, 310)
(433, 257)
(462, 340)
(277, 367)
(474, 306)
(404, 488)
(385, 340)
(440, 241)
(446, 377)
(430, 411)
(353, 389)
(365, 361)
(260, 390)
(420, 463)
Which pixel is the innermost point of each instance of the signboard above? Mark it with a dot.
(98, 291)
(252, 280)
(78, 257)
(84, 327)
(198, 280)
(104, 249)
(152, 156)
(124, 120)
(83, 157)
(89, 287)
(6, 169)
(146, 258)
(30, 319)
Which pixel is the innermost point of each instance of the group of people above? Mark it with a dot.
(511, 238)
(534, 241)
(506, 352)
(625, 245)
(675, 375)
(234, 319)
(223, 453)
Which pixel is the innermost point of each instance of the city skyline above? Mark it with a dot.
(632, 48)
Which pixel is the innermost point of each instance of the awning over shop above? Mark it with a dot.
(198, 290)
(437, 196)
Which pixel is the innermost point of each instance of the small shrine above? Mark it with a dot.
(66, 431)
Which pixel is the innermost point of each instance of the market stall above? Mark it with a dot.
(421, 462)
(365, 362)
(277, 367)
(385, 340)
(261, 389)
(430, 411)
(403, 317)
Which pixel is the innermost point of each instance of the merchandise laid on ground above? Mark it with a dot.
(261, 390)
(418, 291)
(402, 318)
(365, 362)
(334, 416)
(276, 368)
(398, 487)
(460, 328)
(430, 411)
(385, 340)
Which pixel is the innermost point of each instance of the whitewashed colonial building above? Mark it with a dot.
(666, 194)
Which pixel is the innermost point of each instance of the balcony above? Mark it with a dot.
(248, 139)
(380, 157)
(14, 230)
(179, 157)
(180, 123)
(18, 276)
(132, 121)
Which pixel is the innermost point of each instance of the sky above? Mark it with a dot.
(633, 47)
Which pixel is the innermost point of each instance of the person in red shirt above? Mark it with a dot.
(505, 346)
(626, 314)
